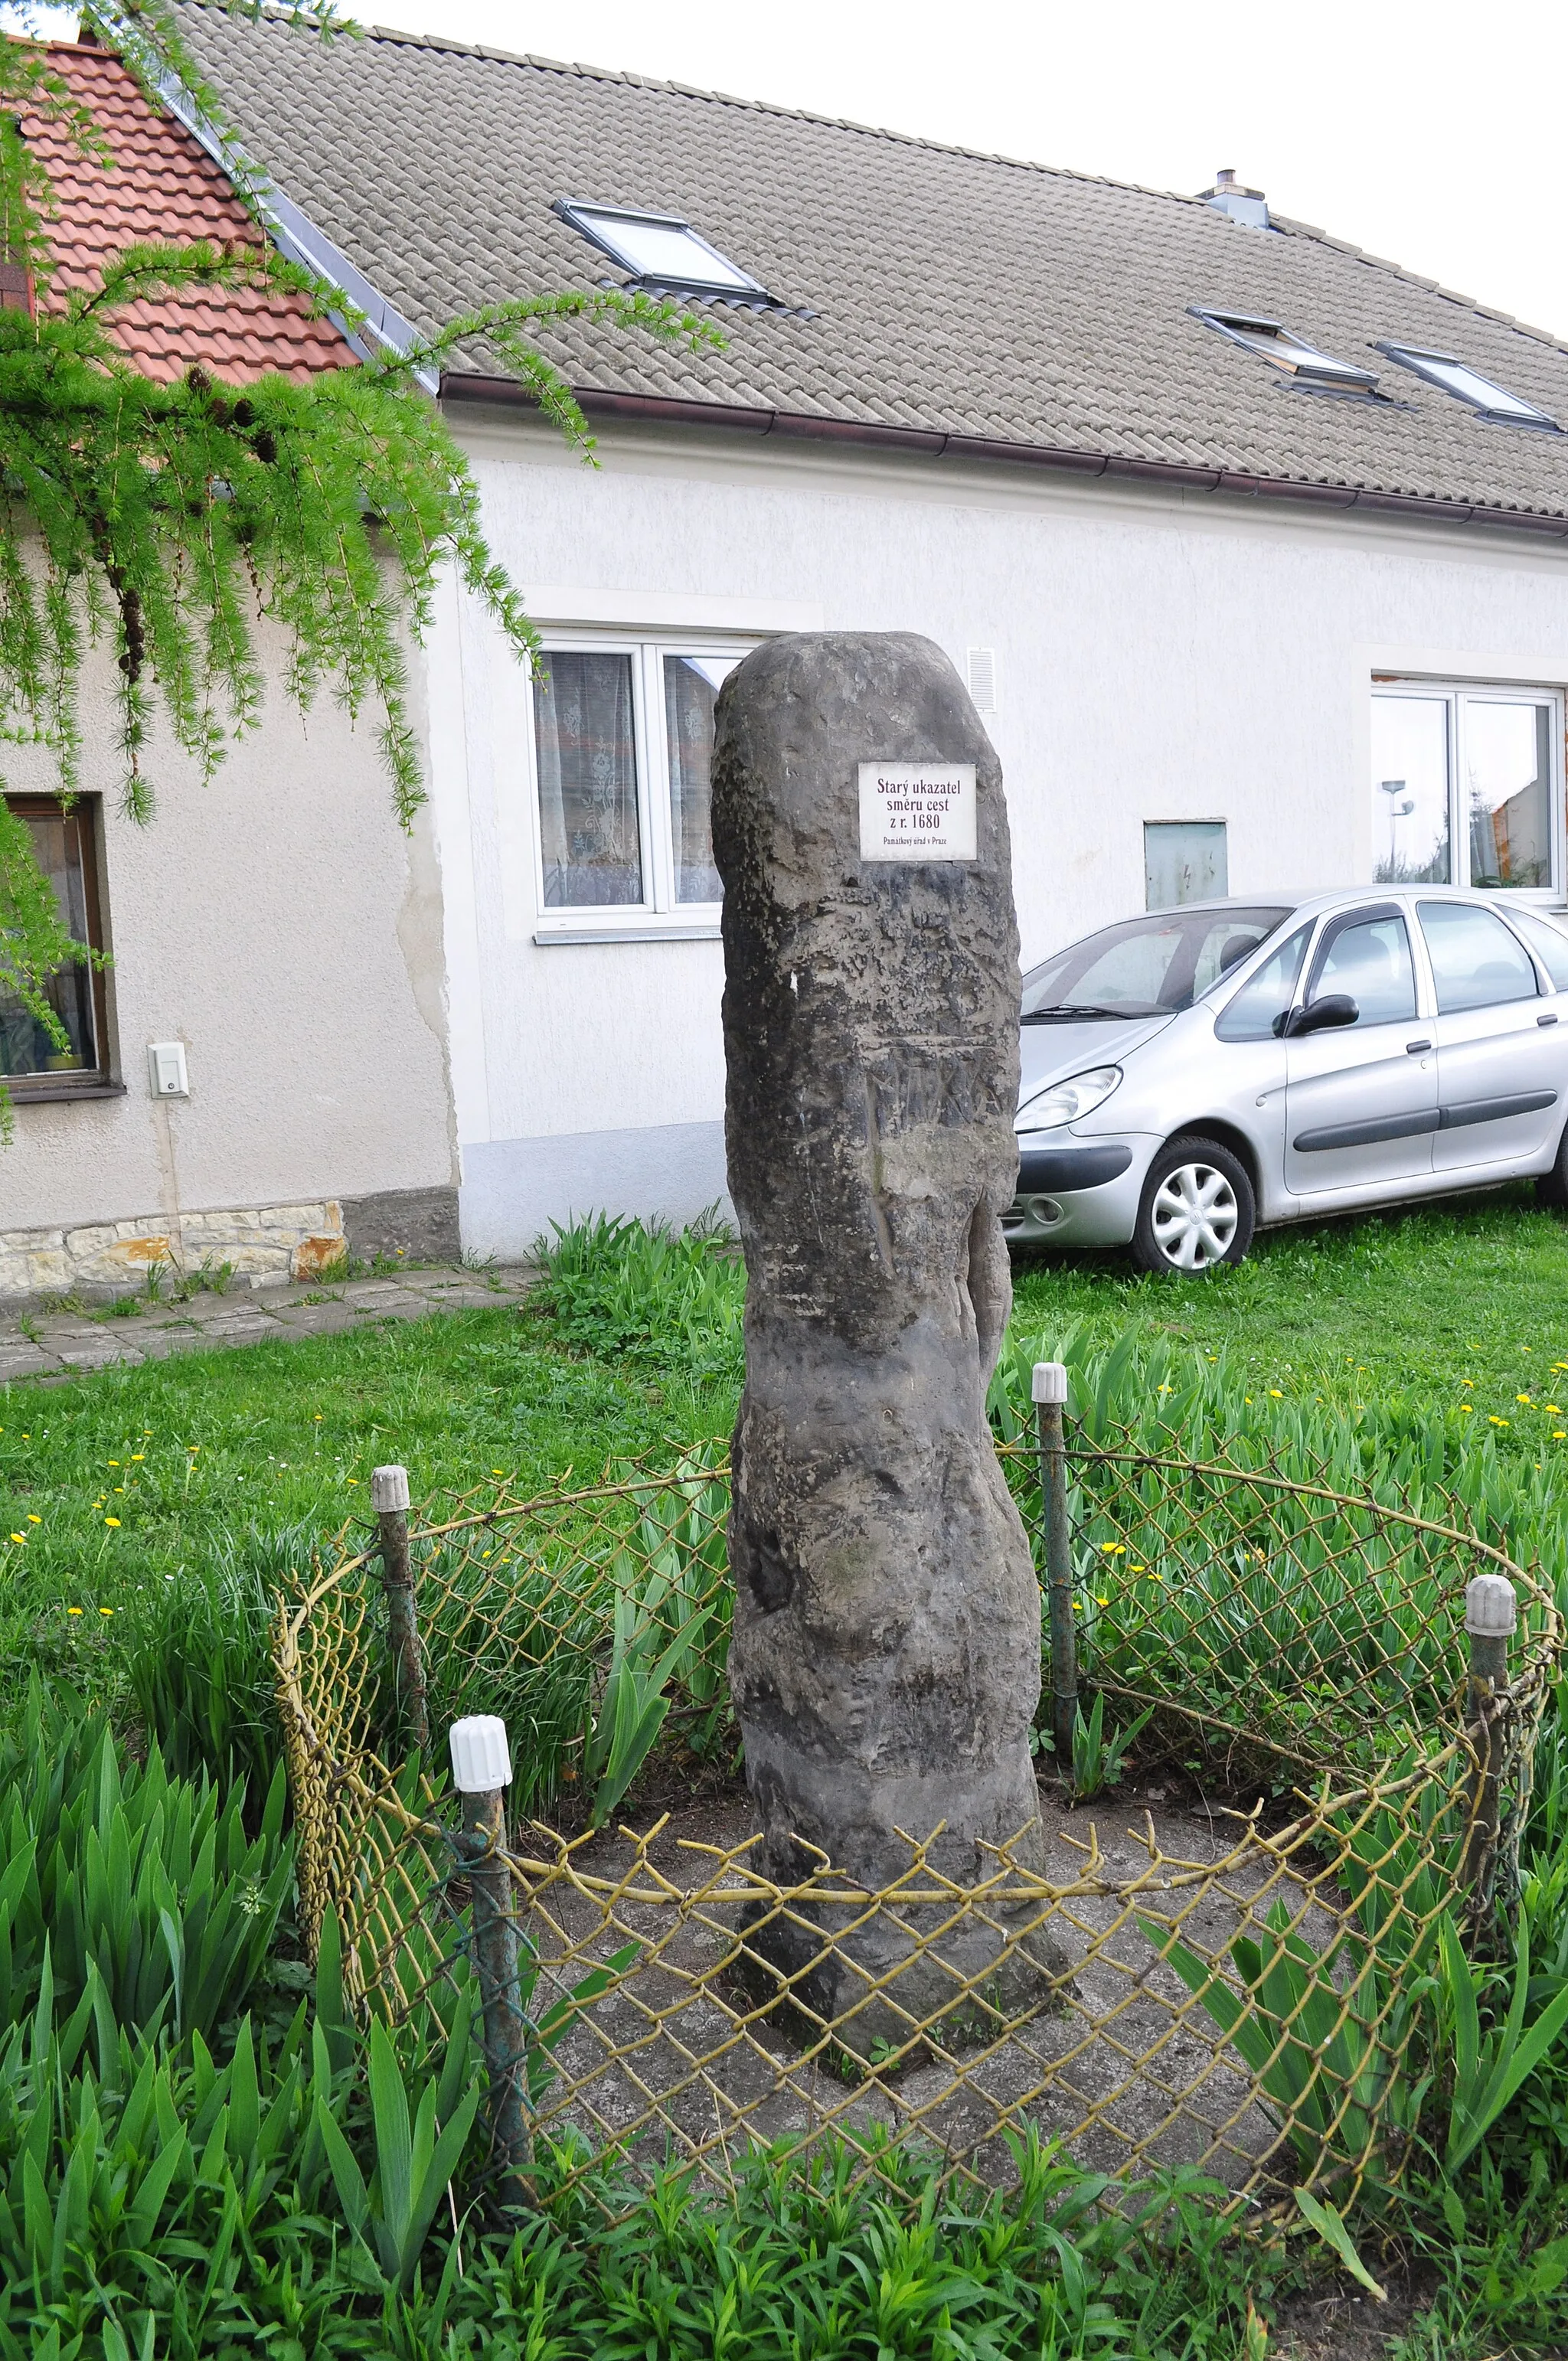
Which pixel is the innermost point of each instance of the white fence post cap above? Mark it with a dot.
(389, 1489)
(481, 1759)
(1491, 1611)
(1049, 1381)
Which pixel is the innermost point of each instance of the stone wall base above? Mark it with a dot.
(260, 1246)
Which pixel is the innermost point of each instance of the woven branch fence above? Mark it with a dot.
(1241, 1987)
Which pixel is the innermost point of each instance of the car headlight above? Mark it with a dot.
(1066, 1101)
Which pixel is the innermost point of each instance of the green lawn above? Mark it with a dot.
(122, 1476)
(1396, 1307)
(1403, 1306)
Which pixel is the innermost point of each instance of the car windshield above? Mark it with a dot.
(1146, 967)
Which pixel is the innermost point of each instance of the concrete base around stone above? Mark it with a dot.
(260, 1246)
(514, 1189)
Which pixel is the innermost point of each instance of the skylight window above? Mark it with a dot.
(662, 252)
(1292, 354)
(1456, 376)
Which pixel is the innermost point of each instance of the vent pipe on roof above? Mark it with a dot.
(1248, 206)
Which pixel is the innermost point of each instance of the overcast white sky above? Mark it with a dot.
(1429, 134)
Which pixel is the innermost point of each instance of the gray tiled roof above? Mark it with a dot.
(968, 295)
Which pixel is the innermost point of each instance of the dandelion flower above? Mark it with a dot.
(1465, 1409)
(111, 1520)
(19, 1537)
(1138, 1569)
(1275, 1394)
(1493, 1421)
(73, 1610)
(498, 1471)
(105, 1611)
(1525, 1400)
(1101, 1601)
(136, 1456)
(34, 1520)
(1553, 1409)
(114, 1463)
(1115, 1549)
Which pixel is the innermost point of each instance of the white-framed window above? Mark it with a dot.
(622, 746)
(1467, 787)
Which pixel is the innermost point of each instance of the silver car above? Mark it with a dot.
(1194, 1072)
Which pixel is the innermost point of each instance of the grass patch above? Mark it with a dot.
(130, 1478)
(1399, 1306)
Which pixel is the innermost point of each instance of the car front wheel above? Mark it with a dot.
(1198, 1210)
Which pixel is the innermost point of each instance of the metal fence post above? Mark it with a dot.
(1491, 1613)
(481, 1772)
(390, 1499)
(1049, 1391)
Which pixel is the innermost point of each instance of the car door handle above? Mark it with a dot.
(1546, 1020)
(1414, 1049)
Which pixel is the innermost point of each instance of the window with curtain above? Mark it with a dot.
(585, 733)
(691, 692)
(63, 847)
(623, 747)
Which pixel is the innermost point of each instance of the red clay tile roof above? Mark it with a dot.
(164, 186)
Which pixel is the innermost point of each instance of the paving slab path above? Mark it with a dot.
(50, 1346)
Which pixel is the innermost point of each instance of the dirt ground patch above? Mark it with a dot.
(1125, 2067)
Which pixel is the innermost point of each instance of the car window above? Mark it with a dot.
(1370, 958)
(1549, 943)
(1133, 970)
(1233, 938)
(1148, 966)
(1475, 961)
(1259, 1006)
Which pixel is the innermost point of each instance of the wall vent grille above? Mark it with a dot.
(983, 671)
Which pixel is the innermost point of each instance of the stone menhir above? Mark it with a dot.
(885, 1664)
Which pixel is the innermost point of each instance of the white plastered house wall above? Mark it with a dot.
(1161, 656)
(279, 924)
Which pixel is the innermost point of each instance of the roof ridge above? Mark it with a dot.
(441, 43)
(278, 10)
(1419, 279)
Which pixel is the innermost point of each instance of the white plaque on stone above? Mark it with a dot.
(917, 811)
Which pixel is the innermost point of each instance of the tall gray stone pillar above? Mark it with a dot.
(885, 1665)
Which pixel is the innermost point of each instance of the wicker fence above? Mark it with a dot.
(1232, 1974)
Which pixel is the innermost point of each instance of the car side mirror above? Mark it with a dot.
(1321, 1016)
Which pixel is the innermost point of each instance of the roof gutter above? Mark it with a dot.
(659, 410)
